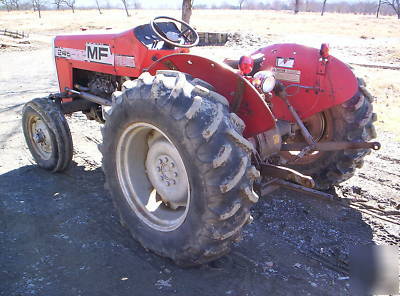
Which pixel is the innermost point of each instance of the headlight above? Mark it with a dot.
(264, 80)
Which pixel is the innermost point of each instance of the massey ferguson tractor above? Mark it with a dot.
(188, 142)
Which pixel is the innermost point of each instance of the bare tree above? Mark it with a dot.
(7, 4)
(323, 8)
(137, 5)
(187, 6)
(126, 7)
(395, 4)
(379, 8)
(70, 4)
(15, 4)
(296, 6)
(98, 6)
(37, 6)
(57, 3)
(241, 2)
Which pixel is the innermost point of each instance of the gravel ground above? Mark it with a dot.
(60, 234)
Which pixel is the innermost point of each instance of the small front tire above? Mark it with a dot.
(47, 134)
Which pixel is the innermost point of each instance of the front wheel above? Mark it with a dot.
(178, 168)
(351, 121)
(47, 134)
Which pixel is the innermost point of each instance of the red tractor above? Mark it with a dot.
(187, 141)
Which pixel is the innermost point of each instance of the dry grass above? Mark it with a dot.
(260, 22)
(385, 86)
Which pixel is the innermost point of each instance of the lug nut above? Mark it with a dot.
(158, 169)
(160, 161)
(173, 182)
(166, 159)
(168, 183)
(172, 165)
(176, 174)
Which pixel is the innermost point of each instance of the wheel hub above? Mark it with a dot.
(152, 176)
(41, 137)
(317, 126)
(166, 172)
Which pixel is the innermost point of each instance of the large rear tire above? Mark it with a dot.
(350, 121)
(47, 134)
(162, 119)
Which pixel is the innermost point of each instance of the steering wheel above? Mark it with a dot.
(187, 32)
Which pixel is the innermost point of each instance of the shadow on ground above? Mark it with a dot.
(60, 235)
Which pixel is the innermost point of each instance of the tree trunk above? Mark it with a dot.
(73, 8)
(98, 6)
(323, 8)
(126, 8)
(296, 6)
(379, 8)
(186, 10)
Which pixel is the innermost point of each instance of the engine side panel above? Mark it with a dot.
(331, 84)
(120, 54)
(253, 110)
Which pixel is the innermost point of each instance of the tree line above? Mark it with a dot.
(385, 7)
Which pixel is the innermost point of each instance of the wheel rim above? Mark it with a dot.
(319, 125)
(39, 135)
(157, 188)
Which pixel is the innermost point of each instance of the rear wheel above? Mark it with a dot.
(177, 167)
(47, 134)
(350, 121)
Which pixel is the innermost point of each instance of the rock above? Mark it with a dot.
(269, 264)
(164, 283)
(356, 189)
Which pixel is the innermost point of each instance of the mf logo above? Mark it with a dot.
(99, 53)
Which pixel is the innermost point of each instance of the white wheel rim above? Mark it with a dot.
(152, 176)
(39, 135)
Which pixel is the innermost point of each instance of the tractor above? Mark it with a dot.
(188, 142)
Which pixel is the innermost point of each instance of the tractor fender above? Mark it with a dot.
(328, 83)
(239, 92)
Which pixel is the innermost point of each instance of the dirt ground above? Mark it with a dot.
(60, 235)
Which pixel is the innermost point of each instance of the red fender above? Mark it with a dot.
(332, 82)
(253, 110)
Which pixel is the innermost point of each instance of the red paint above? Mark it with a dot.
(253, 110)
(124, 43)
(333, 82)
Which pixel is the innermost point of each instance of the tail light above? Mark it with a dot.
(324, 51)
(246, 65)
